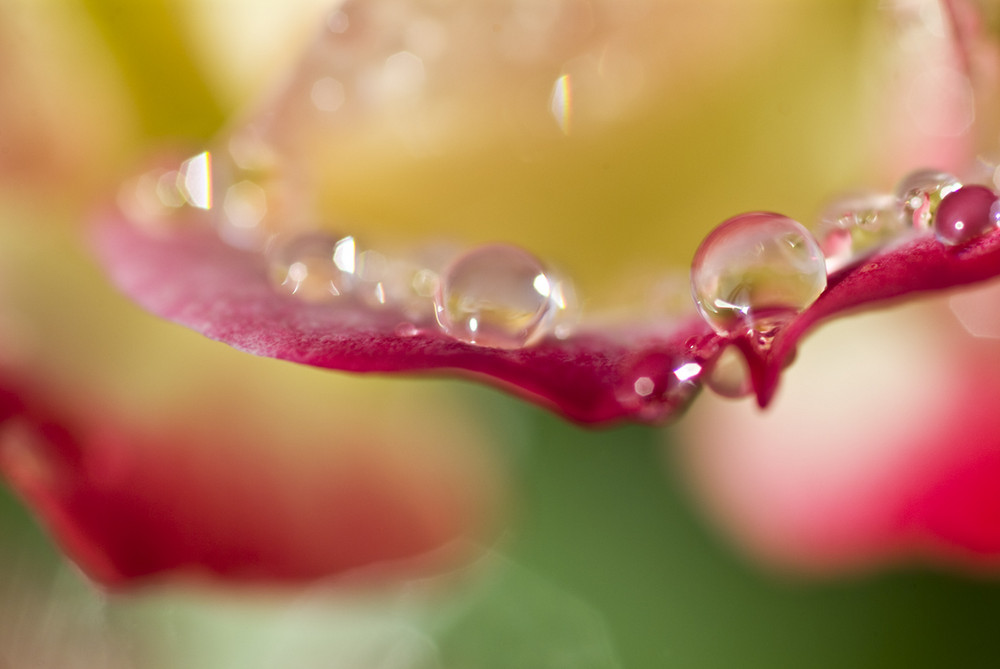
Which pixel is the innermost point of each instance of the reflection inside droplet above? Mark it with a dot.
(497, 295)
(644, 386)
(729, 376)
(755, 271)
(854, 225)
(920, 193)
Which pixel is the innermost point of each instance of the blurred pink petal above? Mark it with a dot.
(208, 499)
(896, 453)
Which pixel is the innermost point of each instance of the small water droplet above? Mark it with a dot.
(657, 383)
(729, 375)
(965, 214)
(920, 193)
(755, 271)
(853, 226)
(407, 329)
(315, 267)
(499, 296)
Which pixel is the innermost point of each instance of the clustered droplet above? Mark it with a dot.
(965, 214)
(756, 271)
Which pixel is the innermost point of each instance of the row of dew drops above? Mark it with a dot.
(751, 274)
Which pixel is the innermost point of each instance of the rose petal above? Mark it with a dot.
(194, 279)
(191, 277)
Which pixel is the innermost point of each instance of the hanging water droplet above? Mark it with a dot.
(965, 214)
(657, 383)
(499, 296)
(315, 267)
(729, 375)
(920, 193)
(755, 271)
(855, 225)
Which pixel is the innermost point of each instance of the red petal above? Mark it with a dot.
(194, 279)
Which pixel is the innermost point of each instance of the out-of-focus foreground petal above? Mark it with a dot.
(210, 497)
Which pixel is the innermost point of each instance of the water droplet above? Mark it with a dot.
(407, 329)
(729, 375)
(315, 267)
(755, 271)
(965, 214)
(657, 383)
(920, 193)
(855, 225)
(499, 296)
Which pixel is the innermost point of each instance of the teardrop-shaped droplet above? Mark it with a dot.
(965, 214)
(755, 271)
(853, 226)
(499, 296)
(921, 192)
(729, 375)
(315, 267)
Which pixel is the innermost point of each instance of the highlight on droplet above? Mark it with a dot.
(194, 180)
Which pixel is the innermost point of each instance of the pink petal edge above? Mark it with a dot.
(191, 277)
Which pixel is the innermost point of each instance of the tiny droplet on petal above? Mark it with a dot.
(755, 271)
(965, 214)
(855, 225)
(315, 267)
(919, 194)
(499, 296)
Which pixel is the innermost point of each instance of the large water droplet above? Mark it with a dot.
(853, 226)
(499, 296)
(315, 267)
(965, 214)
(920, 193)
(755, 271)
